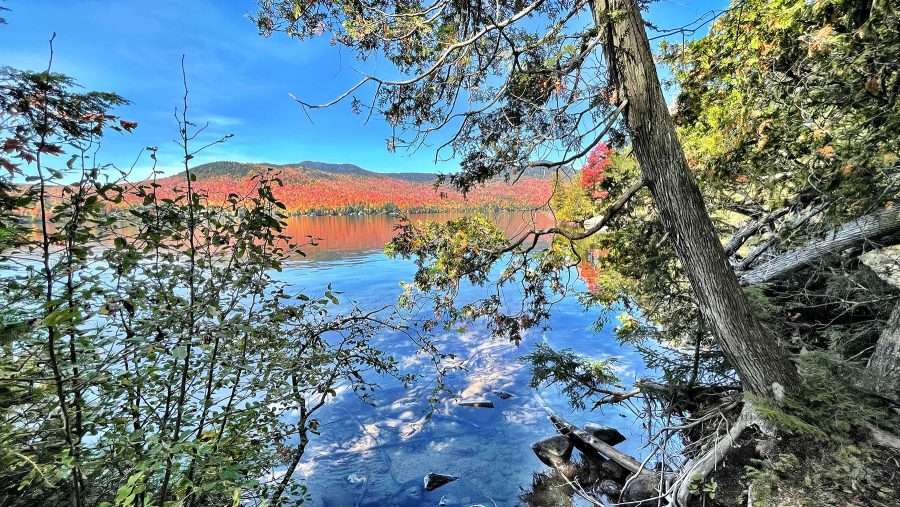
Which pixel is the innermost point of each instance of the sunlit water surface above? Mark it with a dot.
(376, 453)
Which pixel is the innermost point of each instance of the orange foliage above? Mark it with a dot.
(331, 236)
(587, 269)
(302, 192)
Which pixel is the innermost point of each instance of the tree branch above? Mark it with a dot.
(609, 215)
(750, 229)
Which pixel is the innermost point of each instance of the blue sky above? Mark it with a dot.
(239, 81)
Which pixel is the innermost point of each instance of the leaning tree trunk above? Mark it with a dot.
(762, 364)
(884, 364)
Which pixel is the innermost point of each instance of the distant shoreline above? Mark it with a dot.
(395, 211)
(363, 212)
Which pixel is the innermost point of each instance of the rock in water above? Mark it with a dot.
(604, 468)
(553, 451)
(606, 434)
(642, 491)
(434, 481)
(476, 402)
(612, 470)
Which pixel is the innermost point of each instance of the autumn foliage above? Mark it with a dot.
(312, 191)
(593, 172)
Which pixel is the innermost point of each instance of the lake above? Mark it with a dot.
(376, 454)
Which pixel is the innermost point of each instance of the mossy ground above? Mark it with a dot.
(820, 454)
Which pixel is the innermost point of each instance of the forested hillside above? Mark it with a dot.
(321, 188)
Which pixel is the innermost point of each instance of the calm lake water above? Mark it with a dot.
(377, 454)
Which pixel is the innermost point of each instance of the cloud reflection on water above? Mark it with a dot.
(376, 454)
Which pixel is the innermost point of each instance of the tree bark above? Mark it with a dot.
(853, 233)
(884, 363)
(756, 355)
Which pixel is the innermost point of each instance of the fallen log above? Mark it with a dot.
(745, 263)
(591, 445)
(865, 228)
(588, 444)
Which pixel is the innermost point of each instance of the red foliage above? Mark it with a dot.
(589, 275)
(587, 269)
(305, 191)
(358, 234)
(593, 172)
(128, 125)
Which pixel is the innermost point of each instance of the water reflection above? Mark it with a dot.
(341, 236)
(376, 454)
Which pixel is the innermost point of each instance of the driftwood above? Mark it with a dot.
(641, 484)
(799, 221)
(647, 485)
(854, 233)
(588, 444)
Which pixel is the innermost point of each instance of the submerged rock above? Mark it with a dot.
(554, 451)
(477, 403)
(603, 468)
(433, 481)
(607, 434)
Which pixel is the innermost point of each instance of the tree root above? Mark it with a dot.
(700, 467)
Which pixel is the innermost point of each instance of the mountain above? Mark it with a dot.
(312, 168)
(320, 187)
(359, 171)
